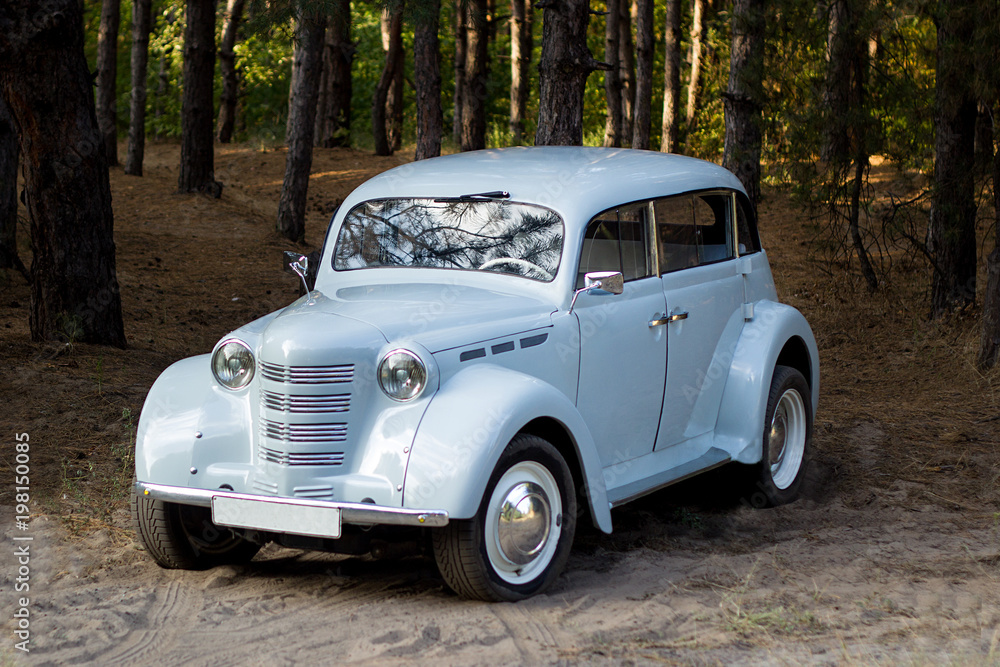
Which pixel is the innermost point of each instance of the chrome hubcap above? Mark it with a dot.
(523, 525)
(787, 440)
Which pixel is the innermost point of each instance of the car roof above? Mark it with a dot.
(575, 181)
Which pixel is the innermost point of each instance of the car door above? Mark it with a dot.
(623, 343)
(704, 293)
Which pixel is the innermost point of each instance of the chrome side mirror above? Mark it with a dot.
(612, 282)
(298, 264)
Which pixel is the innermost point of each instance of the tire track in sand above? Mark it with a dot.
(172, 613)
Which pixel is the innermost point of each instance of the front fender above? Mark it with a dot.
(740, 427)
(186, 408)
(468, 424)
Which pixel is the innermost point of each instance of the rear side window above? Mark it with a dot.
(693, 230)
(616, 240)
(746, 227)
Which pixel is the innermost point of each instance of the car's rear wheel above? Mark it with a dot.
(520, 539)
(787, 438)
(183, 537)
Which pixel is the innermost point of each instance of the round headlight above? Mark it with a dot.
(402, 375)
(233, 364)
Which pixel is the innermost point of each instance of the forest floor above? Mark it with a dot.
(893, 556)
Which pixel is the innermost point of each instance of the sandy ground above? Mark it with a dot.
(892, 558)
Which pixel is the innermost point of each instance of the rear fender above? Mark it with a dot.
(468, 425)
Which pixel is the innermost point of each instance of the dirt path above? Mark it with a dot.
(894, 558)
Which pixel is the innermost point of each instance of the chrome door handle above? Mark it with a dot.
(677, 317)
(658, 320)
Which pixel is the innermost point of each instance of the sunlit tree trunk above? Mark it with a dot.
(612, 77)
(107, 76)
(427, 71)
(392, 30)
(141, 24)
(952, 232)
(380, 128)
(744, 95)
(301, 122)
(476, 63)
(521, 46)
(197, 172)
(460, 49)
(672, 79)
(694, 83)
(563, 70)
(49, 92)
(227, 68)
(642, 115)
(626, 62)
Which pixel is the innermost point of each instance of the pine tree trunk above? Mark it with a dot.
(107, 76)
(612, 78)
(694, 84)
(333, 114)
(197, 172)
(141, 25)
(227, 68)
(427, 66)
(672, 79)
(744, 95)
(521, 46)
(392, 47)
(989, 344)
(643, 74)
(301, 123)
(460, 50)
(837, 90)
(563, 69)
(44, 79)
(8, 193)
(392, 29)
(627, 63)
(952, 233)
(476, 63)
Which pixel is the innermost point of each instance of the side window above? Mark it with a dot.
(693, 230)
(746, 229)
(616, 241)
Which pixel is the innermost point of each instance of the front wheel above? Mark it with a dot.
(518, 542)
(183, 537)
(787, 438)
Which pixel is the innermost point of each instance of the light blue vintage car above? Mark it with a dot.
(499, 343)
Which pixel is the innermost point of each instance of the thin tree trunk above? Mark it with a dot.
(333, 108)
(837, 90)
(744, 95)
(141, 25)
(643, 74)
(197, 173)
(952, 233)
(989, 344)
(394, 100)
(44, 79)
(627, 63)
(694, 84)
(227, 68)
(107, 77)
(521, 46)
(8, 193)
(563, 69)
(380, 129)
(612, 77)
(460, 50)
(476, 63)
(301, 123)
(427, 66)
(672, 79)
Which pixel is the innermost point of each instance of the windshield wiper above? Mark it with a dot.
(495, 194)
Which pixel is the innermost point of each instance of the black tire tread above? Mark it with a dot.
(153, 525)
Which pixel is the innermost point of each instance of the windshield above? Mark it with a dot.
(489, 235)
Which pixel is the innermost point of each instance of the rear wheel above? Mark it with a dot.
(787, 438)
(520, 539)
(183, 536)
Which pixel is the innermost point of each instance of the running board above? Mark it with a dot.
(713, 458)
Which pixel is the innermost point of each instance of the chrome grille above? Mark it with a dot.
(307, 374)
(313, 491)
(303, 432)
(305, 404)
(300, 458)
(265, 487)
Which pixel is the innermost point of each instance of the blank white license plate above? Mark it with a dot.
(278, 517)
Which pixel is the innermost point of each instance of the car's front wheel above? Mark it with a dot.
(787, 438)
(183, 537)
(518, 542)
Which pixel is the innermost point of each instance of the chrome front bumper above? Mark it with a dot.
(313, 513)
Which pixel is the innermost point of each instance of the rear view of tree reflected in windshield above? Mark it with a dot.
(488, 235)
